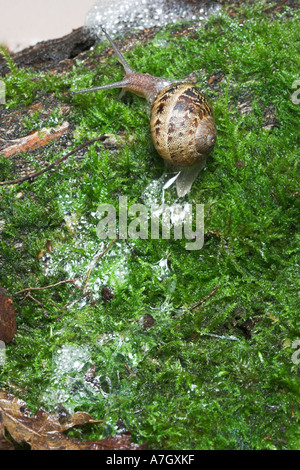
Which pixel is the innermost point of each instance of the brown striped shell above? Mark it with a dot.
(182, 124)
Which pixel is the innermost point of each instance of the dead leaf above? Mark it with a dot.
(44, 431)
(8, 325)
(5, 444)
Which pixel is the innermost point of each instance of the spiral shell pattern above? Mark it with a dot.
(182, 124)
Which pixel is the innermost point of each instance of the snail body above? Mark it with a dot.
(181, 119)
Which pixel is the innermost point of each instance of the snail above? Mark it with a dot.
(181, 119)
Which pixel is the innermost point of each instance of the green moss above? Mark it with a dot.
(189, 389)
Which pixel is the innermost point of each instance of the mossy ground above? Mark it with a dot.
(187, 389)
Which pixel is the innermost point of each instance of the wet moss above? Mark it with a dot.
(174, 385)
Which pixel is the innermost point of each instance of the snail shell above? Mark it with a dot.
(181, 119)
(182, 125)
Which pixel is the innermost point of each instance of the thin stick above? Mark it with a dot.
(48, 287)
(76, 300)
(95, 261)
(29, 296)
(54, 164)
(130, 247)
(200, 302)
(33, 298)
(204, 300)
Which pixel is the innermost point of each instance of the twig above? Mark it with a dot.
(204, 300)
(54, 164)
(200, 302)
(72, 302)
(95, 261)
(76, 300)
(35, 140)
(33, 298)
(48, 287)
(138, 411)
(232, 338)
(130, 247)
(29, 296)
(131, 372)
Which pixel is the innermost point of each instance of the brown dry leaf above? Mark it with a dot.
(4, 443)
(8, 325)
(44, 431)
